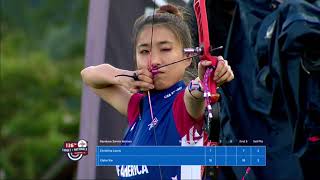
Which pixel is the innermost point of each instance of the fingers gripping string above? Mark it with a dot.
(134, 76)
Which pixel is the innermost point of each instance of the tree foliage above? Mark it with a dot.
(41, 55)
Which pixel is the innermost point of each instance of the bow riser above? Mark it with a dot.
(204, 42)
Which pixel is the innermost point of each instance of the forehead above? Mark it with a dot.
(159, 33)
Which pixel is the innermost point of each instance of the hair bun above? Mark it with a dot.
(171, 9)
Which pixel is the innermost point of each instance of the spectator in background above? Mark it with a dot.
(275, 96)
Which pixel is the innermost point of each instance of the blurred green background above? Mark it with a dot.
(41, 55)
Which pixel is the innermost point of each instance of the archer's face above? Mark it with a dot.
(166, 48)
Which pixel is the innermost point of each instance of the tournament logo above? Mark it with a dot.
(75, 150)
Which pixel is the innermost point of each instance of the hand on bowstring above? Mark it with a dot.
(135, 81)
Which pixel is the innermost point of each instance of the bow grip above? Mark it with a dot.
(211, 83)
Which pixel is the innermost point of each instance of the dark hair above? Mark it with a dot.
(173, 18)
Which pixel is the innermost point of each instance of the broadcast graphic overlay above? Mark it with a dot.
(75, 150)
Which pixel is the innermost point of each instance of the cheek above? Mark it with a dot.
(180, 67)
(175, 74)
(141, 63)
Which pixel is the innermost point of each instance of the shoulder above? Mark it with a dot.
(134, 107)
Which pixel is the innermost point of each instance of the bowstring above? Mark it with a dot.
(149, 96)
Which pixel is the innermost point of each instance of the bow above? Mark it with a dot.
(204, 52)
(210, 87)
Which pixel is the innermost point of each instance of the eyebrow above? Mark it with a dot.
(159, 43)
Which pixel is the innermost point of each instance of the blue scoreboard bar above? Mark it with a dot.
(179, 155)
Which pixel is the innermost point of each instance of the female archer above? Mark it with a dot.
(161, 109)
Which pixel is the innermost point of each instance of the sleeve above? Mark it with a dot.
(133, 107)
(184, 122)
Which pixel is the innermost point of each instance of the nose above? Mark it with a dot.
(155, 60)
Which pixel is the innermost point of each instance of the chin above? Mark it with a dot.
(161, 85)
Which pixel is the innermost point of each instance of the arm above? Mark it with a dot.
(116, 91)
(194, 101)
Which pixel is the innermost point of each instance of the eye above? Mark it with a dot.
(144, 51)
(166, 49)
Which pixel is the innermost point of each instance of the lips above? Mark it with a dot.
(156, 71)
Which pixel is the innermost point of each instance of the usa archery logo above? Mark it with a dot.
(153, 123)
(75, 150)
